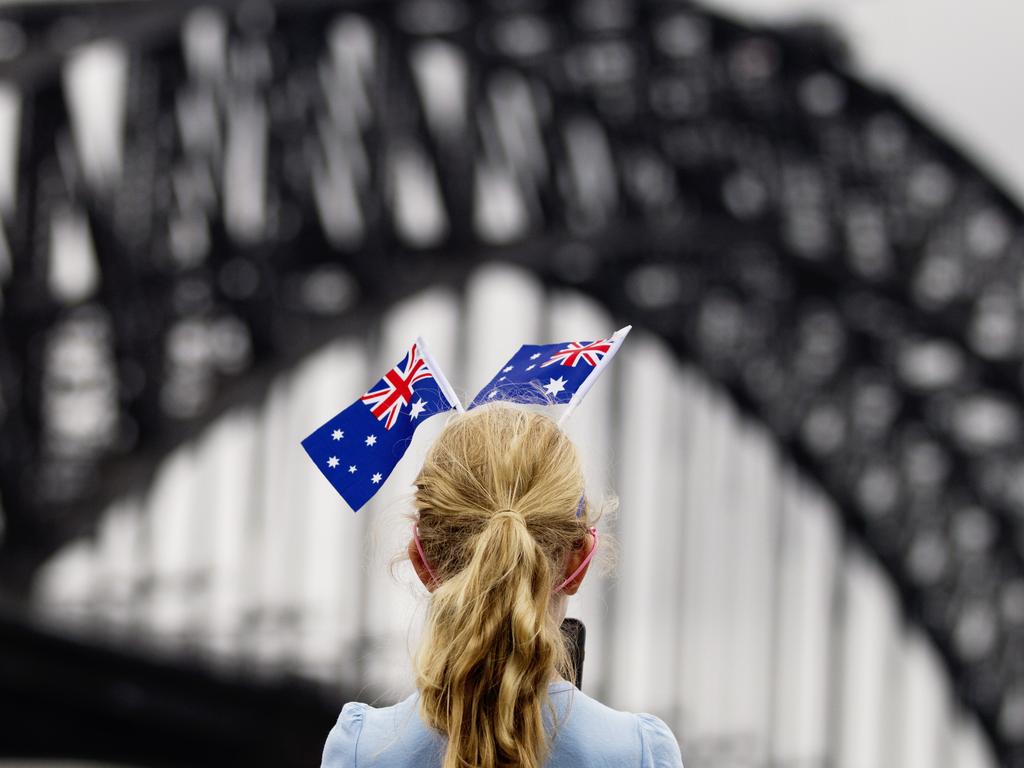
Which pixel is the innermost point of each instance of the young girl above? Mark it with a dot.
(502, 537)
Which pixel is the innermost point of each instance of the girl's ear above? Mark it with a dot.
(576, 557)
(420, 567)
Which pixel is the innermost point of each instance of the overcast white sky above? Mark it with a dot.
(958, 64)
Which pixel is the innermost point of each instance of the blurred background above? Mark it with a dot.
(220, 222)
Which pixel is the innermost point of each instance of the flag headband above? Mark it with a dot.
(358, 449)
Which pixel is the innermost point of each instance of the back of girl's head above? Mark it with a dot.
(497, 501)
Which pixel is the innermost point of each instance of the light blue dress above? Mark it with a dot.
(590, 735)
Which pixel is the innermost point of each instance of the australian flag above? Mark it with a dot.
(358, 449)
(551, 374)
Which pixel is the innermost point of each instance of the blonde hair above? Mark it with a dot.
(496, 498)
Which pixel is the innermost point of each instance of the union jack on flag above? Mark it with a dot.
(359, 448)
(387, 402)
(552, 374)
(589, 352)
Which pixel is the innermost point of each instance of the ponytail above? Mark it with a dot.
(496, 499)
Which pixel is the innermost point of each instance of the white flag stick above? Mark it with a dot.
(580, 393)
(442, 382)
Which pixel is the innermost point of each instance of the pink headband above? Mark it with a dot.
(556, 590)
(582, 565)
(423, 557)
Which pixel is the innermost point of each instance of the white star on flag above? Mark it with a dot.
(417, 408)
(376, 478)
(352, 469)
(554, 386)
(337, 434)
(530, 367)
(332, 462)
(371, 439)
(535, 355)
(506, 369)
(492, 393)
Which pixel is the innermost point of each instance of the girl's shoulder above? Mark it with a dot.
(659, 745)
(381, 737)
(343, 739)
(594, 734)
